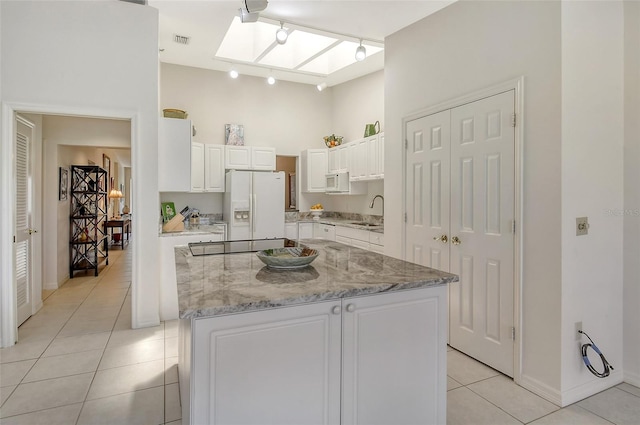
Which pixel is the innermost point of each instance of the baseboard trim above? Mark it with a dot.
(541, 389)
(590, 388)
(632, 378)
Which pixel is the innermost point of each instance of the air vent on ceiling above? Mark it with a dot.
(181, 39)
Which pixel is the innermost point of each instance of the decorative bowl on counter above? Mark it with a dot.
(316, 213)
(287, 258)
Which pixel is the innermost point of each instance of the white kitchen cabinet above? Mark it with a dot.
(305, 230)
(319, 363)
(324, 231)
(214, 168)
(314, 169)
(174, 155)
(333, 160)
(291, 230)
(358, 152)
(197, 167)
(237, 157)
(375, 157)
(168, 282)
(409, 327)
(263, 158)
(249, 158)
(250, 367)
(339, 158)
(207, 167)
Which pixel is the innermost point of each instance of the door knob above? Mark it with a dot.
(335, 309)
(455, 240)
(442, 238)
(351, 308)
(31, 231)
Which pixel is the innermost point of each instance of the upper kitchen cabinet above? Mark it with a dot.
(174, 155)
(249, 158)
(314, 170)
(375, 157)
(366, 158)
(207, 167)
(339, 158)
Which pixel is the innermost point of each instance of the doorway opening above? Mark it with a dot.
(289, 165)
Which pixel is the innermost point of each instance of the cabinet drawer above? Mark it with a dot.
(360, 244)
(348, 232)
(325, 231)
(376, 248)
(376, 238)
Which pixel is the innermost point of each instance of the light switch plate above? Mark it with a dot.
(582, 226)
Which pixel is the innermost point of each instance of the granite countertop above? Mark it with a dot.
(198, 229)
(233, 283)
(345, 223)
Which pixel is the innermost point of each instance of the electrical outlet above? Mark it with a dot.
(582, 226)
(578, 326)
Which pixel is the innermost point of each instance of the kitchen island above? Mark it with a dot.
(356, 337)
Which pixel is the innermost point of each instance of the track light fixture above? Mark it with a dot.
(233, 74)
(271, 80)
(282, 34)
(361, 52)
(321, 86)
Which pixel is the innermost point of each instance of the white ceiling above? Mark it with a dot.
(207, 21)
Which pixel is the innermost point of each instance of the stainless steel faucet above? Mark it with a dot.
(374, 200)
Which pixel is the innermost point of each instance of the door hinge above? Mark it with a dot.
(513, 226)
(405, 217)
(513, 333)
(14, 239)
(513, 120)
(406, 144)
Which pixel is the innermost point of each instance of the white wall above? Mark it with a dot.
(356, 103)
(95, 59)
(287, 116)
(631, 292)
(463, 48)
(592, 185)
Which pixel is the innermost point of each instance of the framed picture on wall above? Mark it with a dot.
(63, 183)
(106, 165)
(234, 134)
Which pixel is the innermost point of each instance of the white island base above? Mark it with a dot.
(377, 359)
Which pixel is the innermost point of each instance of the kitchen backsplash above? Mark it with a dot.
(297, 216)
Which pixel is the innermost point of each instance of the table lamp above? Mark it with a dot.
(115, 194)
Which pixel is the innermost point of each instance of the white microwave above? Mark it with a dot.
(337, 182)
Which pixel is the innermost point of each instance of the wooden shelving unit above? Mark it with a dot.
(88, 240)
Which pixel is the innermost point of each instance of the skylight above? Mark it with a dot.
(304, 51)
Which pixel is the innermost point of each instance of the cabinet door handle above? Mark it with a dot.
(351, 308)
(335, 309)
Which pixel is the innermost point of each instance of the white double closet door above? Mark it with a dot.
(460, 218)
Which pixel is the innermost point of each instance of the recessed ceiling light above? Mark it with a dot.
(233, 74)
(271, 80)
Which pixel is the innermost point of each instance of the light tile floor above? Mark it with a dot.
(79, 362)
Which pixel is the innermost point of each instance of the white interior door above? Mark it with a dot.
(23, 247)
(460, 212)
(428, 173)
(482, 216)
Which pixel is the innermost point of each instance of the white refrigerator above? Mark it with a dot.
(254, 205)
